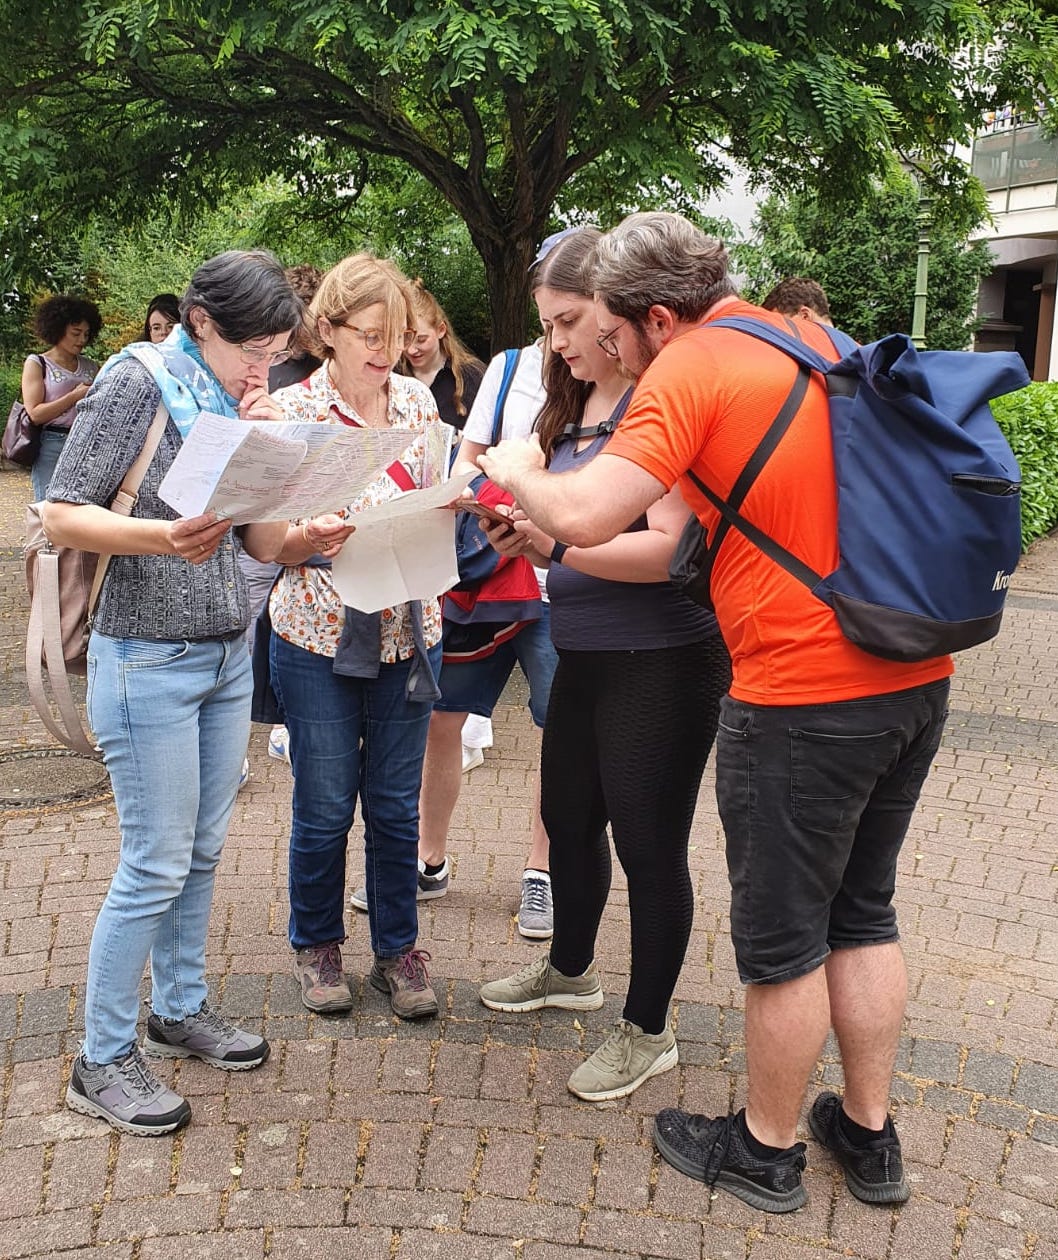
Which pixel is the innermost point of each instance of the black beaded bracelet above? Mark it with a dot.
(557, 552)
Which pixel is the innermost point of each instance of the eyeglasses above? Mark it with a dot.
(372, 338)
(605, 341)
(251, 354)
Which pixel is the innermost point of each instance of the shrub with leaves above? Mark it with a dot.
(1029, 419)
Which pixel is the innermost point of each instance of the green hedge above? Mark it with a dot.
(1029, 419)
(10, 384)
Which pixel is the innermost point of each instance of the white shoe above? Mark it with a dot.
(244, 777)
(477, 731)
(472, 757)
(279, 744)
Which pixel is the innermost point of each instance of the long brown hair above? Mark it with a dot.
(566, 267)
(427, 308)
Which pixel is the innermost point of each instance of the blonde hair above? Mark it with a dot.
(359, 281)
(427, 308)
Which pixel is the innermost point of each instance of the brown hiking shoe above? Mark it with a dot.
(318, 969)
(405, 979)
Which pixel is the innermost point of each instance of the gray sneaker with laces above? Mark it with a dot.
(208, 1036)
(127, 1095)
(539, 984)
(536, 915)
(626, 1059)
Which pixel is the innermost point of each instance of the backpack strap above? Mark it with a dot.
(44, 635)
(808, 361)
(511, 359)
(728, 508)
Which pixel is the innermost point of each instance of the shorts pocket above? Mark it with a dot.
(832, 776)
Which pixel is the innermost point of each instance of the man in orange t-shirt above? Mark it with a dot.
(822, 749)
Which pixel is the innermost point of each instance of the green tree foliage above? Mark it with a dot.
(115, 104)
(864, 256)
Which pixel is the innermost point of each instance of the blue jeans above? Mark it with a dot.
(476, 686)
(352, 738)
(172, 719)
(51, 443)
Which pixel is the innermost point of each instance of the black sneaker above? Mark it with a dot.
(875, 1172)
(715, 1152)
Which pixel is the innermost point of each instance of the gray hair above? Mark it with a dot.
(657, 258)
(245, 293)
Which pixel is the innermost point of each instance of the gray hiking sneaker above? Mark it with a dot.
(324, 988)
(430, 886)
(626, 1059)
(127, 1095)
(208, 1036)
(536, 915)
(406, 981)
(539, 984)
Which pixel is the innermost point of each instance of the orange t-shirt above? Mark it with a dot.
(704, 404)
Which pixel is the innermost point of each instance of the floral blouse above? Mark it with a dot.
(305, 608)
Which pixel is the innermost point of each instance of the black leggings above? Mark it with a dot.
(626, 741)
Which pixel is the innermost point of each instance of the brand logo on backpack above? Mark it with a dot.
(1002, 581)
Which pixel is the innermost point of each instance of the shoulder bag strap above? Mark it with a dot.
(510, 367)
(44, 634)
(128, 494)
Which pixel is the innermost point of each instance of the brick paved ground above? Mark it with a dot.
(363, 1137)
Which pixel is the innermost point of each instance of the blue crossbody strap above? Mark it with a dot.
(510, 366)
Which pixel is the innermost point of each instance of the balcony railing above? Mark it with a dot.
(1015, 156)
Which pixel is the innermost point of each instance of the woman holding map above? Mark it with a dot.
(356, 689)
(168, 680)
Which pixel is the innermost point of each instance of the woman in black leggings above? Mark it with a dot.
(632, 715)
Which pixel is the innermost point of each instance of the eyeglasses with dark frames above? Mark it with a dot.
(605, 341)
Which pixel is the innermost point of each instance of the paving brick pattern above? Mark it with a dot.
(364, 1137)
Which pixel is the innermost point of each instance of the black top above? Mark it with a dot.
(292, 372)
(444, 392)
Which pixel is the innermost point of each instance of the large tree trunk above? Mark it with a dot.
(507, 285)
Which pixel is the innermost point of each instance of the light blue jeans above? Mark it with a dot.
(40, 474)
(172, 719)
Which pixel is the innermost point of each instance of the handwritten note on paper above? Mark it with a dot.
(402, 550)
(279, 471)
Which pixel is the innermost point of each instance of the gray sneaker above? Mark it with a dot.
(208, 1036)
(406, 981)
(318, 969)
(127, 1095)
(430, 886)
(626, 1059)
(539, 984)
(536, 914)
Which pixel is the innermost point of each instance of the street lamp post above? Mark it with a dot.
(918, 317)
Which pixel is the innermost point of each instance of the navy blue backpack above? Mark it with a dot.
(929, 494)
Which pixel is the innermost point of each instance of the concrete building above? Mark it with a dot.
(1018, 165)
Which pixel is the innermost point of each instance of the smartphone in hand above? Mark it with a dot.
(486, 513)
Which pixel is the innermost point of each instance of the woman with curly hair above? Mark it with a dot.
(53, 383)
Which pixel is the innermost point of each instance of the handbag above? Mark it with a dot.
(64, 585)
(21, 441)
